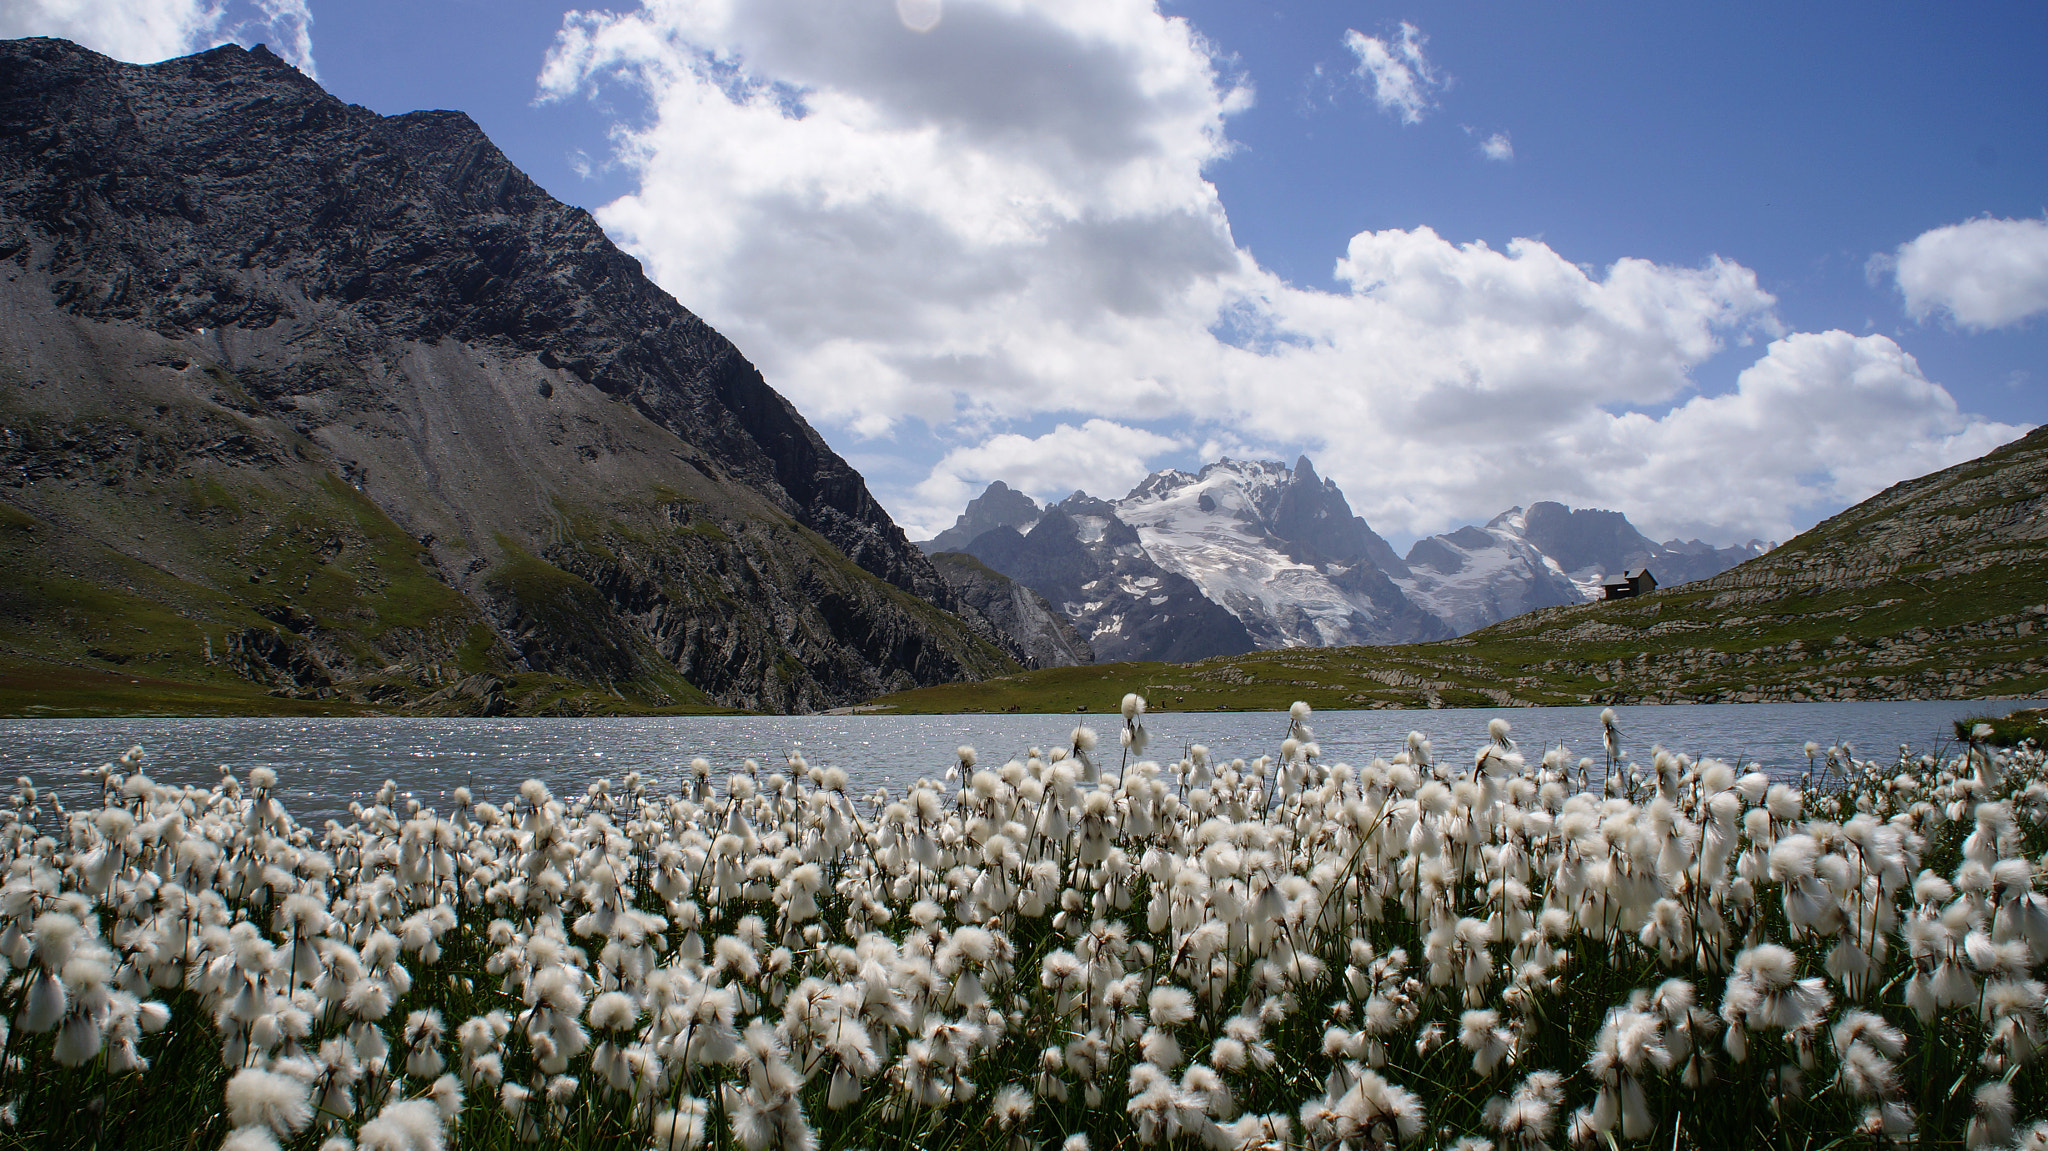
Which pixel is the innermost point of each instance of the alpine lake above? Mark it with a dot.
(323, 764)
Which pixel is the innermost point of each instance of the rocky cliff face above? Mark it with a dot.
(382, 408)
(1092, 566)
(1038, 633)
(999, 506)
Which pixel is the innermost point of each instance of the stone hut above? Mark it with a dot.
(1631, 583)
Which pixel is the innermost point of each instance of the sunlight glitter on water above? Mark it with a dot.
(326, 763)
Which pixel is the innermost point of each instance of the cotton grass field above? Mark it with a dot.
(1084, 949)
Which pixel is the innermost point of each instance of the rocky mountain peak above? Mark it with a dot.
(1093, 568)
(411, 227)
(1161, 484)
(1586, 538)
(998, 506)
(222, 246)
(1279, 548)
(1312, 513)
(1547, 555)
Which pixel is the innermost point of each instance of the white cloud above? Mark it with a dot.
(929, 225)
(1441, 387)
(145, 31)
(1402, 79)
(287, 25)
(1102, 457)
(1984, 273)
(1002, 222)
(1822, 419)
(1457, 380)
(141, 31)
(1497, 147)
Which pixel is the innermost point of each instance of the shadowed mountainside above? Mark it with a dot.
(302, 399)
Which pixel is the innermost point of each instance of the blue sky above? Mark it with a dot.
(1726, 268)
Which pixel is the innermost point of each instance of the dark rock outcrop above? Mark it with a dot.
(1036, 630)
(241, 284)
(1585, 539)
(999, 506)
(1091, 565)
(1313, 516)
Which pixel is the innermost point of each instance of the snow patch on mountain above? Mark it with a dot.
(1475, 576)
(1221, 528)
(1546, 556)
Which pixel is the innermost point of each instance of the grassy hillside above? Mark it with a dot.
(171, 544)
(1936, 588)
(141, 575)
(248, 597)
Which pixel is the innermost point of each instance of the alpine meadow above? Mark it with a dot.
(1083, 948)
(724, 575)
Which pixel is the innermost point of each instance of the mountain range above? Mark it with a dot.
(1246, 555)
(1935, 588)
(299, 402)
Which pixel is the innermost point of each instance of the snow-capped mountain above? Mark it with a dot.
(1547, 556)
(1085, 559)
(1476, 576)
(1255, 553)
(1281, 550)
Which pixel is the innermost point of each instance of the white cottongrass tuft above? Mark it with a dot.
(1170, 1006)
(681, 1129)
(267, 1099)
(258, 1138)
(407, 1125)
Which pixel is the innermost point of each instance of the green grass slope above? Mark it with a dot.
(169, 544)
(1936, 588)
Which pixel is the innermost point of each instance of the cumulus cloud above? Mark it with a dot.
(1983, 273)
(1102, 457)
(1002, 222)
(1445, 381)
(1403, 82)
(145, 31)
(1497, 147)
(141, 31)
(1464, 379)
(1822, 419)
(939, 225)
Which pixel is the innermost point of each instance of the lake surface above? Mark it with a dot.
(324, 763)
